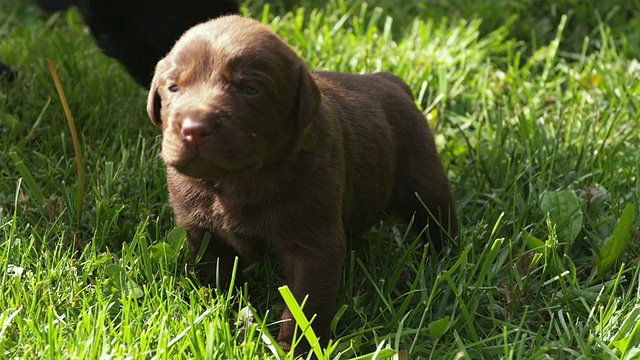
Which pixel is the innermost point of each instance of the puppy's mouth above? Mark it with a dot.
(208, 160)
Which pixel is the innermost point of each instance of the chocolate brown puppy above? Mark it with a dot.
(267, 157)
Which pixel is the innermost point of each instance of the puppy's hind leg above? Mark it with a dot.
(426, 198)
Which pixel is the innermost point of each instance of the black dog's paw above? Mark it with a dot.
(6, 73)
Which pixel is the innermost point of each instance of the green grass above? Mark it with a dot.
(537, 126)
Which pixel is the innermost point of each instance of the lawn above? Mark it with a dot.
(535, 107)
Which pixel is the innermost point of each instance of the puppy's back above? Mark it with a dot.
(381, 84)
(395, 80)
(391, 151)
(376, 100)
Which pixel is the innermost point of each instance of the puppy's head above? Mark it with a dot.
(231, 98)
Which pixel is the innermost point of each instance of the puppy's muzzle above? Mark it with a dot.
(196, 131)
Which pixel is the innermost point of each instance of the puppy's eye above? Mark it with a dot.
(248, 90)
(174, 88)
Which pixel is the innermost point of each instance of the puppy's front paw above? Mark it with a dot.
(286, 346)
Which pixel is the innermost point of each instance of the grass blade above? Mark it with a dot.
(76, 142)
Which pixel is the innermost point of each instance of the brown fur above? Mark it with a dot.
(294, 169)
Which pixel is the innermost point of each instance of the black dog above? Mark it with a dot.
(6, 72)
(139, 33)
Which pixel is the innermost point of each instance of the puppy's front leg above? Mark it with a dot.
(217, 260)
(315, 273)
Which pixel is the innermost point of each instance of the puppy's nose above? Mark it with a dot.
(194, 131)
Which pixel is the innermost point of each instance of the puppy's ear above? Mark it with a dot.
(308, 98)
(154, 103)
